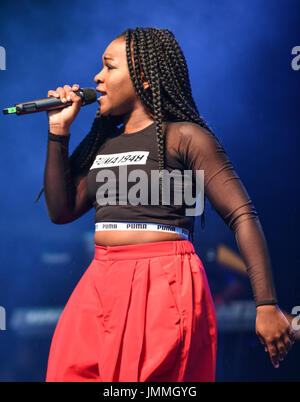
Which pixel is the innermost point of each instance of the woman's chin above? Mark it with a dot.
(104, 112)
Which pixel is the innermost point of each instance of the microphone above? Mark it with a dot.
(87, 95)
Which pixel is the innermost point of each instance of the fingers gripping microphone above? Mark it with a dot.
(87, 95)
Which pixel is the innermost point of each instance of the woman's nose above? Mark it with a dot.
(98, 78)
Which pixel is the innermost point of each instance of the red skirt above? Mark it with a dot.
(141, 312)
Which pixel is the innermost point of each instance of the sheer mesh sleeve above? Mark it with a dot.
(201, 150)
(66, 197)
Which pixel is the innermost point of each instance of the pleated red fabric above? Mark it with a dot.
(139, 313)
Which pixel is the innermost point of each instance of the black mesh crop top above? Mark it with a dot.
(187, 147)
(137, 155)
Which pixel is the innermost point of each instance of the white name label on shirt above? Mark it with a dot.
(120, 159)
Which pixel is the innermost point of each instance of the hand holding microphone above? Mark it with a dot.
(61, 105)
(60, 120)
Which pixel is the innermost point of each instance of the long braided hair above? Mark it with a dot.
(157, 54)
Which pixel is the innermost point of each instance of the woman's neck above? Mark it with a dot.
(137, 121)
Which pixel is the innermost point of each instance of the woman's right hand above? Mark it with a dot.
(60, 120)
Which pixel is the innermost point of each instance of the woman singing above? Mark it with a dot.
(142, 310)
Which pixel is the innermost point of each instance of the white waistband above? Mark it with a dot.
(140, 226)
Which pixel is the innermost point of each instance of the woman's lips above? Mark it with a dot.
(101, 97)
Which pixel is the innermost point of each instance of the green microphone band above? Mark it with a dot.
(9, 110)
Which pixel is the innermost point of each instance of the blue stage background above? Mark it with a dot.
(239, 55)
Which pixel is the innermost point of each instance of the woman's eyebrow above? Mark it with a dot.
(107, 58)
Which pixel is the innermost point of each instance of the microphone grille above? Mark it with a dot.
(89, 96)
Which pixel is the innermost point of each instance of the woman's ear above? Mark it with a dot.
(144, 81)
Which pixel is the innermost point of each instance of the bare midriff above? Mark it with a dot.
(123, 237)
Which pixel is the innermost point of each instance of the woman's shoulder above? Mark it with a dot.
(187, 128)
(188, 132)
